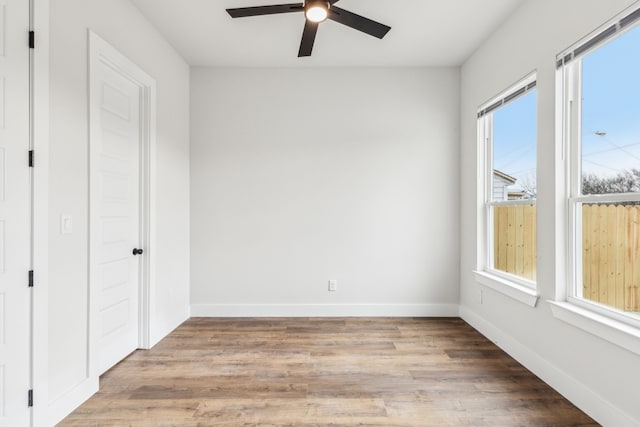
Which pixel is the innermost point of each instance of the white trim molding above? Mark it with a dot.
(523, 294)
(324, 310)
(606, 328)
(64, 405)
(588, 400)
(40, 133)
(486, 273)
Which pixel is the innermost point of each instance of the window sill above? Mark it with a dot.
(615, 332)
(506, 287)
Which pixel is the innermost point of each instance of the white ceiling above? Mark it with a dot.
(424, 32)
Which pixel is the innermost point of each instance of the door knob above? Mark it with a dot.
(137, 251)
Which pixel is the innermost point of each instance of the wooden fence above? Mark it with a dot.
(611, 255)
(514, 240)
(610, 250)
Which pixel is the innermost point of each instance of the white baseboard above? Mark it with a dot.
(580, 395)
(71, 400)
(324, 310)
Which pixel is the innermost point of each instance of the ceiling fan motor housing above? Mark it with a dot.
(321, 3)
(316, 10)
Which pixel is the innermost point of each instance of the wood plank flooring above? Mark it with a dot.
(384, 372)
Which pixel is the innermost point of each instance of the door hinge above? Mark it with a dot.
(32, 39)
(31, 158)
(31, 278)
(30, 398)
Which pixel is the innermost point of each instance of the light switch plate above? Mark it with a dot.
(66, 224)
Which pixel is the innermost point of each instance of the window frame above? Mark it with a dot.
(569, 75)
(517, 287)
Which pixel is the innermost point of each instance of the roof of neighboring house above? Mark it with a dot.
(504, 176)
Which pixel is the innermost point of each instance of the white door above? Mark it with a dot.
(15, 213)
(115, 211)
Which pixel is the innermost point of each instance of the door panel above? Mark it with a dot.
(15, 213)
(116, 168)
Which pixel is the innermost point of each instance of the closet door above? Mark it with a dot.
(15, 214)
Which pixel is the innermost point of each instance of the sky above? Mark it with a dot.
(611, 105)
(514, 140)
(610, 116)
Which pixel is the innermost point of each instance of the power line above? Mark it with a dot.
(520, 172)
(610, 149)
(601, 165)
(602, 135)
(515, 155)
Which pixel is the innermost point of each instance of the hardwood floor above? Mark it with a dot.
(324, 372)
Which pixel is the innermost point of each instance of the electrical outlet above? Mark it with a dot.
(333, 285)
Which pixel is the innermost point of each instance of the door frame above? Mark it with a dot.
(39, 99)
(102, 53)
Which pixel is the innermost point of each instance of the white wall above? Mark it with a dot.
(601, 377)
(304, 175)
(120, 23)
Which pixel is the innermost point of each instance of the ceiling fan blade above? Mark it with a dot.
(242, 12)
(308, 38)
(358, 22)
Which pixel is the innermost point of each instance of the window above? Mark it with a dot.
(602, 129)
(507, 134)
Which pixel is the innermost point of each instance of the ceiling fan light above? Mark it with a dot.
(317, 11)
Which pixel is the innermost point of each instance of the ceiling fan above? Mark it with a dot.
(316, 11)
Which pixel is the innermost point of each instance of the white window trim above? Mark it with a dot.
(604, 327)
(517, 288)
(604, 322)
(507, 286)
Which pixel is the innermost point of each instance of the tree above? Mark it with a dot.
(529, 189)
(625, 182)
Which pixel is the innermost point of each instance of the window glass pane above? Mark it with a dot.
(611, 255)
(611, 117)
(513, 177)
(514, 150)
